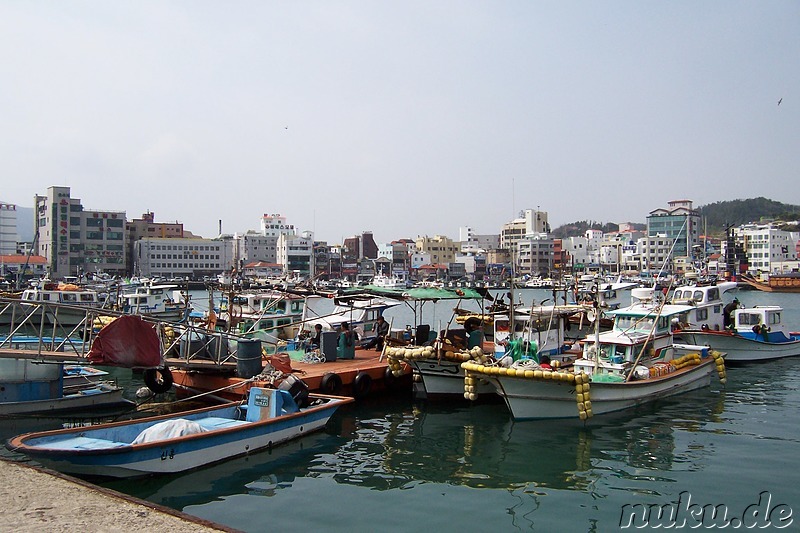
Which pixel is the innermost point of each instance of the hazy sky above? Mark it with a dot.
(404, 118)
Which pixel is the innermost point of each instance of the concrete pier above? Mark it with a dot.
(35, 499)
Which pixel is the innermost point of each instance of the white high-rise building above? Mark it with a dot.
(8, 229)
(75, 240)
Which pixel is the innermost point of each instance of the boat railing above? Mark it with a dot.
(39, 327)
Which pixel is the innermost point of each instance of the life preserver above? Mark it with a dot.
(158, 380)
(331, 383)
(361, 384)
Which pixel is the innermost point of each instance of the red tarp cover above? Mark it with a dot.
(128, 342)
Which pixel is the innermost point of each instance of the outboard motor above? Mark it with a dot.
(297, 388)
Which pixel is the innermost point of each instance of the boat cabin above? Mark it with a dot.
(641, 335)
(71, 297)
(762, 323)
(707, 305)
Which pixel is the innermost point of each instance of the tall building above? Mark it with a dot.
(528, 241)
(262, 245)
(472, 243)
(679, 225)
(397, 254)
(75, 240)
(192, 257)
(442, 249)
(769, 250)
(146, 226)
(296, 254)
(8, 229)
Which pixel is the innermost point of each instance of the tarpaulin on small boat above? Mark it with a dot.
(128, 342)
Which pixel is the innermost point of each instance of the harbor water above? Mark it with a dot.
(392, 464)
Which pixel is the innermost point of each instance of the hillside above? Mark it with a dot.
(716, 217)
(736, 212)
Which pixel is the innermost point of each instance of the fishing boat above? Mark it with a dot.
(543, 328)
(48, 304)
(758, 334)
(360, 310)
(270, 315)
(33, 387)
(181, 441)
(776, 282)
(635, 363)
(154, 300)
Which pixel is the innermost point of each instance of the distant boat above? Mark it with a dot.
(180, 441)
(388, 282)
(759, 334)
(154, 301)
(62, 304)
(776, 282)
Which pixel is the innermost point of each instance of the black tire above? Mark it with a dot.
(392, 382)
(331, 384)
(158, 380)
(361, 385)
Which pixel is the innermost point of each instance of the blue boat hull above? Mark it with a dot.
(107, 450)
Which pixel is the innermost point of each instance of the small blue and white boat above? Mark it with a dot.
(33, 387)
(759, 334)
(181, 441)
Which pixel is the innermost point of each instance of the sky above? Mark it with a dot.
(401, 118)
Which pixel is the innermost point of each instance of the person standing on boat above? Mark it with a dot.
(727, 314)
(347, 343)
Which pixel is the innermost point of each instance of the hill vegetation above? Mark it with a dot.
(715, 216)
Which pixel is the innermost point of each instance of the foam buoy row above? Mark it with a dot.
(720, 362)
(581, 382)
(103, 320)
(690, 359)
(583, 397)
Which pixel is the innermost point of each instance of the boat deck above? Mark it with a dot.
(221, 380)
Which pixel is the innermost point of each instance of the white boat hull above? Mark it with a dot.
(743, 350)
(446, 378)
(529, 399)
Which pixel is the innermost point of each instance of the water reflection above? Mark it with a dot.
(414, 454)
(470, 446)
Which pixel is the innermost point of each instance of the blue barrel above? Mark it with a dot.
(248, 358)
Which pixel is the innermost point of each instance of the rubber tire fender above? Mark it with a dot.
(158, 380)
(331, 384)
(391, 381)
(361, 385)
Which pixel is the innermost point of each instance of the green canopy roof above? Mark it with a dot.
(425, 293)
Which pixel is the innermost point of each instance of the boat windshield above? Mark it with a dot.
(634, 323)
